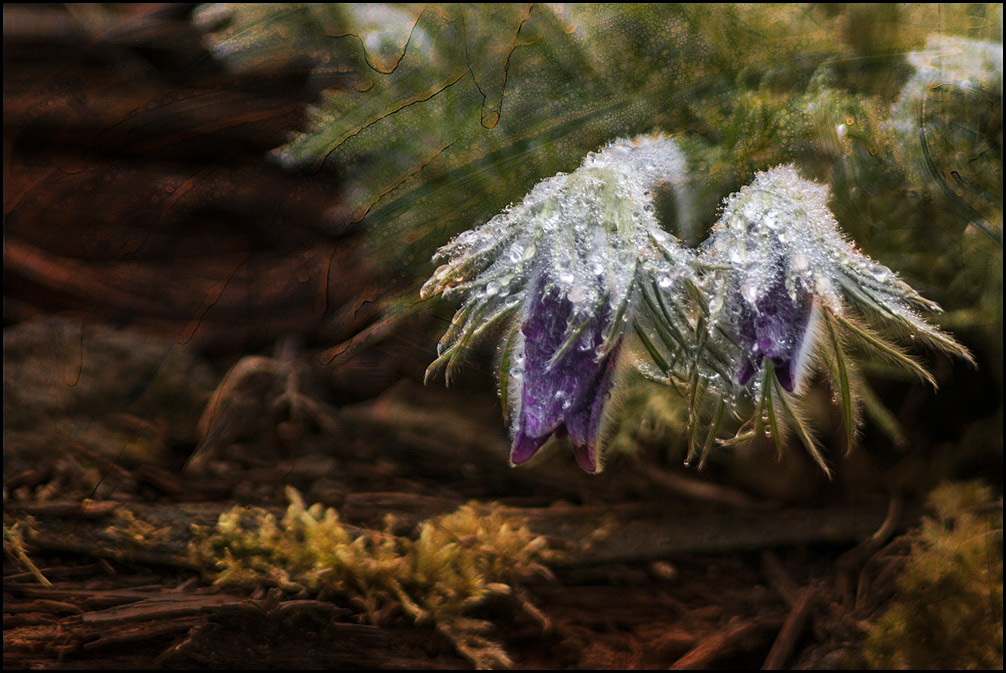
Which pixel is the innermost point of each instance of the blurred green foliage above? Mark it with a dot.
(450, 112)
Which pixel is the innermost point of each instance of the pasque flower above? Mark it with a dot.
(561, 270)
(765, 290)
(789, 294)
(780, 259)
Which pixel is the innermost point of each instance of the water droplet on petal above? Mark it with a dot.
(880, 272)
(771, 219)
(749, 290)
(715, 304)
(824, 289)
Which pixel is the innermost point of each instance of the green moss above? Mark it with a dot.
(950, 607)
(457, 562)
(13, 545)
(128, 534)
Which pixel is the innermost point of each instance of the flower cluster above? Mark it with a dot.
(581, 266)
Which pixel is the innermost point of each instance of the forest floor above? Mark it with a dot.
(660, 568)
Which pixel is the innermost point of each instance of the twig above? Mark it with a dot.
(698, 489)
(792, 630)
(854, 559)
(15, 546)
(738, 636)
(143, 634)
(779, 578)
(78, 509)
(42, 605)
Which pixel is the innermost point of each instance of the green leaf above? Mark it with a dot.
(799, 426)
(655, 354)
(714, 429)
(504, 378)
(773, 424)
(843, 379)
(863, 337)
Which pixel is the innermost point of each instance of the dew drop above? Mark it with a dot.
(800, 262)
(749, 290)
(563, 399)
(881, 273)
(665, 281)
(771, 219)
(716, 304)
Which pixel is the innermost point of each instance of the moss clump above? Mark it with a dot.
(950, 610)
(456, 563)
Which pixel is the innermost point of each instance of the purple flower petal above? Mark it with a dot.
(584, 422)
(569, 396)
(776, 329)
(524, 447)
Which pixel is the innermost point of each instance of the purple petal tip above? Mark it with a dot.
(585, 458)
(784, 374)
(525, 447)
